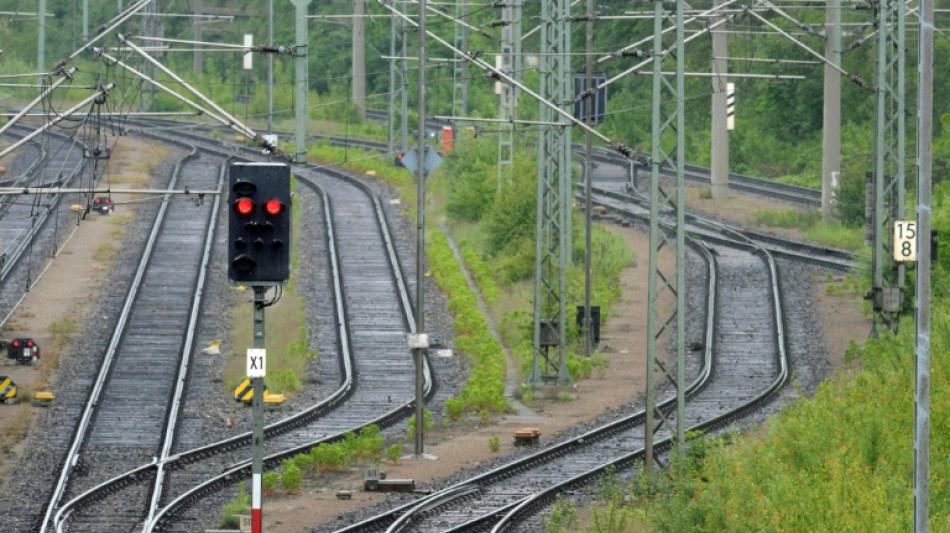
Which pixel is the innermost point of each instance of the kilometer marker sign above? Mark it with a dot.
(905, 240)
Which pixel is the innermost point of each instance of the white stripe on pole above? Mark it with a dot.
(256, 491)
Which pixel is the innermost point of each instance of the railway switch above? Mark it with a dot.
(259, 223)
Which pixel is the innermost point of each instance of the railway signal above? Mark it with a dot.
(259, 223)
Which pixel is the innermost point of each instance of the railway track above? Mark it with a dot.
(145, 365)
(171, 503)
(25, 235)
(739, 369)
(371, 318)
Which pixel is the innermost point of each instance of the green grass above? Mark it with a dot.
(809, 223)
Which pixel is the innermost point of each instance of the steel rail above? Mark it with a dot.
(518, 510)
(81, 433)
(192, 455)
(625, 423)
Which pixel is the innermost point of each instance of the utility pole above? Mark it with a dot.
(665, 117)
(924, 183)
(719, 160)
(301, 81)
(831, 122)
(552, 242)
(359, 57)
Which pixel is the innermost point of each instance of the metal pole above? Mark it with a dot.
(270, 67)
(420, 226)
(924, 156)
(588, 178)
(257, 432)
(404, 71)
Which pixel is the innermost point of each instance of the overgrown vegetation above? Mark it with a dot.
(841, 460)
(499, 228)
(365, 447)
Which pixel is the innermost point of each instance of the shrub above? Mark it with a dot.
(240, 504)
(394, 453)
(427, 423)
(494, 442)
(269, 482)
(291, 479)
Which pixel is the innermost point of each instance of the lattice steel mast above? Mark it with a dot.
(667, 149)
(552, 247)
(887, 281)
(510, 65)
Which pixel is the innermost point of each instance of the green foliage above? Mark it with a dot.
(834, 234)
(394, 453)
(483, 274)
(563, 517)
(485, 386)
(484, 416)
(788, 218)
(290, 478)
(269, 482)
(284, 380)
(494, 443)
(239, 505)
(427, 423)
(455, 407)
(851, 450)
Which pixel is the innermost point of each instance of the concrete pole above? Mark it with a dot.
(831, 126)
(359, 57)
(85, 21)
(719, 162)
(198, 58)
(302, 81)
(924, 183)
(41, 38)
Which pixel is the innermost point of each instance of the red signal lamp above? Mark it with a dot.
(273, 207)
(244, 206)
